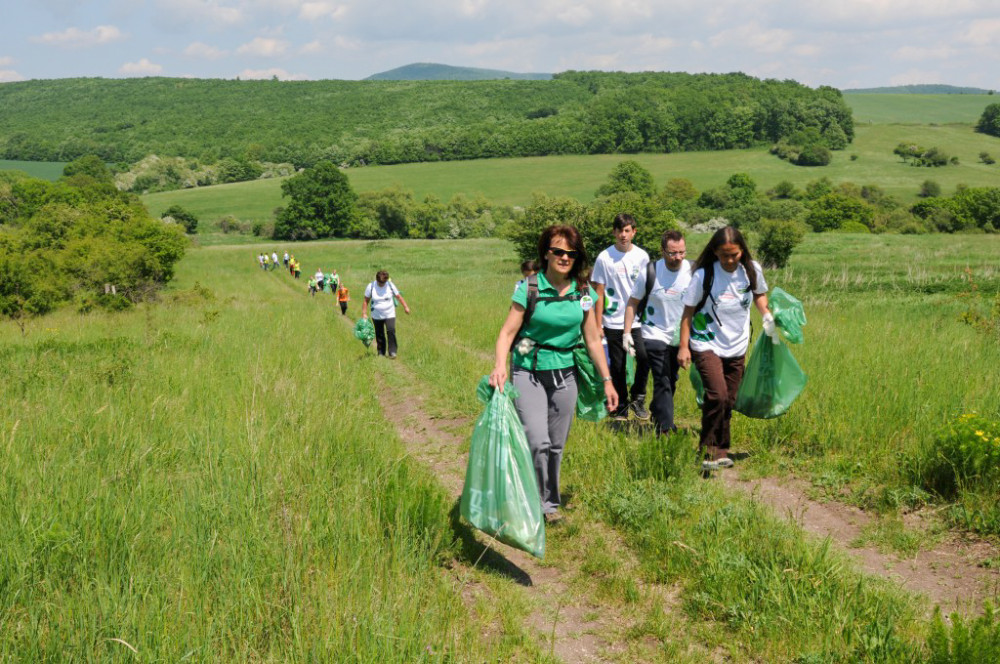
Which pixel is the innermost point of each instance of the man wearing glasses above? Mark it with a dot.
(614, 276)
(661, 319)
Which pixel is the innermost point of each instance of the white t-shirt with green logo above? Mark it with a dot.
(723, 323)
(665, 305)
(382, 304)
(618, 271)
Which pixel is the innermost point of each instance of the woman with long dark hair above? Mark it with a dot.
(715, 332)
(560, 317)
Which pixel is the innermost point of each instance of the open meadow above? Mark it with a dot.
(220, 475)
(514, 181)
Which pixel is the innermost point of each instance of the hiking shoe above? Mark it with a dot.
(552, 518)
(724, 462)
(392, 356)
(707, 465)
(639, 409)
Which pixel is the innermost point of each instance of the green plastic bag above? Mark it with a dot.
(590, 388)
(699, 387)
(365, 331)
(501, 496)
(789, 316)
(771, 382)
(629, 369)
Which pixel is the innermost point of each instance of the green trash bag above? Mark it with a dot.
(699, 387)
(771, 382)
(501, 496)
(590, 388)
(629, 369)
(789, 316)
(365, 331)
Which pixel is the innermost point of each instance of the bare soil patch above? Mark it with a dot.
(949, 574)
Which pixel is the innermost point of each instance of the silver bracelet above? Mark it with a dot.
(606, 379)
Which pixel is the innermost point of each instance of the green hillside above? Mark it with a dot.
(926, 89)
(513, 181)
(428, 71)
(872, 108)
(386, 122)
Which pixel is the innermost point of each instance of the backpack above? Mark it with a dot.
(650, 279)
(531, 284)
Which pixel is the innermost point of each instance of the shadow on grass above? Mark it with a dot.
(485, 557)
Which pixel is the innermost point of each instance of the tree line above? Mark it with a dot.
(387, 122)
(79, 240)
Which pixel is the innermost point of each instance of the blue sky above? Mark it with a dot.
(843, 43)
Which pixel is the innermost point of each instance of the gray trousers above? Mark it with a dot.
(546, 405)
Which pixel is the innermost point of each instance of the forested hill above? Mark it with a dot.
(429, 71)
(355, 122)
(925, 89)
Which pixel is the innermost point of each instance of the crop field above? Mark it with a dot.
(513, 181)
(220, 476)
(887, 108)
(46, 170)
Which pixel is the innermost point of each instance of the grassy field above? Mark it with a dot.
(513, 181)
(46, 170)
(211, 477)
(917, 109)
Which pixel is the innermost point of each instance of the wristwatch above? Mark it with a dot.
(606, 379)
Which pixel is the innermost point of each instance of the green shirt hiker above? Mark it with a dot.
(553, 324)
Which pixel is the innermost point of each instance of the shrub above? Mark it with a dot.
(852, 227)
(814, 155)
(964, 455)
(777, 240)
(930, 189)
(963, 642)
(183, 217)
(986, 158)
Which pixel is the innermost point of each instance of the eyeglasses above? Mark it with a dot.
(676, 254)
(569, 253)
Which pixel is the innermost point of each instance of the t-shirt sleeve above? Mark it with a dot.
(639, 288)
(598, 276)
(368, 291)
(521, 294)
(761, 283)
(693, 293)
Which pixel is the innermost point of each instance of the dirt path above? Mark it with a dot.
(567, 624)
(950, 574)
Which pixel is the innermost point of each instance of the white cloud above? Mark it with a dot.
(916, 77)
(6, 61)
(263, 46)
(752, 36)
(312, 11)
(312, 48)
(985, 32)
(258, 74)
(77, 38)
(917, 53)
(142, 68)
(9, 76)
(209, 13)
(204, 51)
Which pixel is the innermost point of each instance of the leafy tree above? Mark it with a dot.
(541, 213)
(183, 217)
(391, 210)
(986, 158)
(628, 176)
(989, 121)
(26, 291)
(814, 155)
(783, 189)
(238, 170)
(776, 241)
(831, 211)
(321, 204)
(90, 165)
(929, 188)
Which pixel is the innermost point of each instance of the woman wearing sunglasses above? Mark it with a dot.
(561, 318)
(715, 332)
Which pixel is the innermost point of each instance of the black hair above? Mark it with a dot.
(727, 235)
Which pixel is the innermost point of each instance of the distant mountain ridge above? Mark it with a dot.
(429, 71)
(924, 89)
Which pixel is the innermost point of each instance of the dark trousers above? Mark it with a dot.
(662, 359)
(616, 353)
(343, 308)
(721, 377)
(385, 329)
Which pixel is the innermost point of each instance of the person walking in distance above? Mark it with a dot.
(380, 296)
(657, 299)
(343, 297)
(614, 276)
(715, 333)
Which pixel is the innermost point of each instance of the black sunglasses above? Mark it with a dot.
(570, 253)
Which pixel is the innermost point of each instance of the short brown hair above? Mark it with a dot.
(623, 220)
(670, 236)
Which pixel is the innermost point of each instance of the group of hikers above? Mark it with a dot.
(666, 314)
(320, 282)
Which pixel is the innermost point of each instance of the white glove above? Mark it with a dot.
(628, 343)
(769, 328)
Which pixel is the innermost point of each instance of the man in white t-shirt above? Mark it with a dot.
(381, 296)
(614, 275)
(661, 319)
